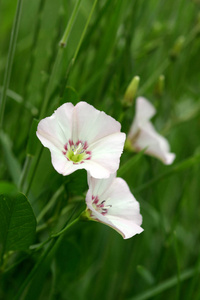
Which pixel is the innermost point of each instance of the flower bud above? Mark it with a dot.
(177, 47)
(131, 92)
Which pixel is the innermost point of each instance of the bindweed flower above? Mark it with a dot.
(82, 137)
(110, 201)
(143, 135)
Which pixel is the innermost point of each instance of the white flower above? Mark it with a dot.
(142, 133)
(82, 137)
(110, 201)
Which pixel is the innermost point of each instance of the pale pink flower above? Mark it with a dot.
(110, 201)
(82, 137)
(143, 134)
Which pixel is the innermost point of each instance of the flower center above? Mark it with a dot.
(101, 207)
(77, 153)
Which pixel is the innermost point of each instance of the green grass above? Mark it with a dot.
(109, 42)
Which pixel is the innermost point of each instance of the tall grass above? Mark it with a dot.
(108, 43)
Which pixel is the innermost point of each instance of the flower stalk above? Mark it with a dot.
(55, 240)
(9, 64)
(64, 39)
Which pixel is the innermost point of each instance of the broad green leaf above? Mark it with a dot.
(7, 187)
(17, 223)
(33, 140)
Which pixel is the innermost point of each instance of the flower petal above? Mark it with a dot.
(106, 153)
(91, 124)
(64, 116)
(98, 187)
(82, 137)
(144, 112)
(62, 165)
(123, 210)
(54, 131)
(157, 145)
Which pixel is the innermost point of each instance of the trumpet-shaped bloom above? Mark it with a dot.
(143, 134)
(82, 137)
(110, 201)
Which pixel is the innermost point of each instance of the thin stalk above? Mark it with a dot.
(84, 31)
(51, 83)
(24, 172)
(30, 67)
(54, 240)
(66, 228)
(57, 63)
(187, 163)
(77, 48)
(165, 285)
(33, 47)
(178, 266)
(64, 39)
(50, 203)
(33, 170)
(58, 59)
(50, 86)
(35, 268)
(9, 63)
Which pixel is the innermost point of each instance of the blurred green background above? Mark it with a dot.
(123, 39)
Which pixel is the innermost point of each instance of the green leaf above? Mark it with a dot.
(17, 223)
(7, 187)
(33, 140)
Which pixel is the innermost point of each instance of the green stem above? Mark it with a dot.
(69, 25)
(84, 31)
(35, 268)
(62, 44)
(31, 62)
(77, 49)
(66, 228)
(51, 83)
(160, 288)
(185, 164)
(39, 153)
(9, 63)
(54, 240)
(53, 76)
(24, 172)
(50, 203)
(50, 86)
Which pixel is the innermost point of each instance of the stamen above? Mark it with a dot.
(100, 206)
(76, 152)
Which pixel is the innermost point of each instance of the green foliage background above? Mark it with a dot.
(123, 39)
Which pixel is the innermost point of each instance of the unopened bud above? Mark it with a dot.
(131, 92)
(160, 84)
(178, 46)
